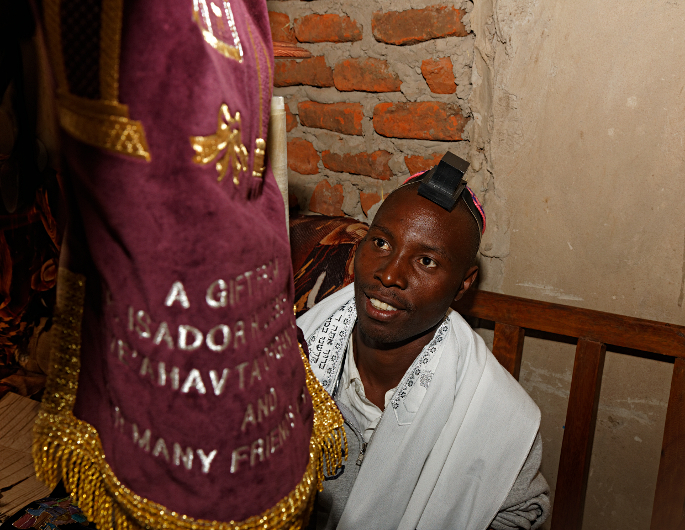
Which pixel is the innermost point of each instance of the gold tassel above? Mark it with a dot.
(67, 448)
(328, 425)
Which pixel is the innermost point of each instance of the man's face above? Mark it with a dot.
(413, 263)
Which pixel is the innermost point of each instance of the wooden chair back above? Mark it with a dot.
(594, 330)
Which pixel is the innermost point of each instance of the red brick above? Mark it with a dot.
(345, 118)
(313, 72)
(293, 202)
(368, 200)
(302, 157)
(426, 120)
(290, 119)
(327, 199)
(281, 29)
(439, 75)
(418, 25)
(368, 75)
(371, 164)
(416, 164)
(327, 28)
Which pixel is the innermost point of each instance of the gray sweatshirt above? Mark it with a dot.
(526, 506)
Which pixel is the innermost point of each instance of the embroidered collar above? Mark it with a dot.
(422, 369)
(328, 343)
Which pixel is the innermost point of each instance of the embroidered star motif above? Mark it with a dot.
(228, 137)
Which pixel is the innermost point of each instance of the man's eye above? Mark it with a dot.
(380, 243)
(427, 262)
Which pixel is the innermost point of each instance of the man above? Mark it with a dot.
(440, 435)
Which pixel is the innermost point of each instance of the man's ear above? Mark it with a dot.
(469, 278)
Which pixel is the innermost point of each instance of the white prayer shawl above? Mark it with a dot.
(450, 453)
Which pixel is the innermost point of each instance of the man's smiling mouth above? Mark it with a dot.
(382, 306)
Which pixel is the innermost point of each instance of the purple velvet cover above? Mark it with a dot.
(152, 224)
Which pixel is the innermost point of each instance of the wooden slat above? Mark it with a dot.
(629, 332)
(576, 447)
(668, 512)
(508, 347)
(18, 480)
(17, 416)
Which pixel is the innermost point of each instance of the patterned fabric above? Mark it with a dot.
(327, 345)
(29, 208)
(57, 510)
(323, 256)
(51, 513)
(29, 250)
(422, 369)
(81, 23)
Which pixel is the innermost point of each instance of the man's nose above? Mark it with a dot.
(391, 272)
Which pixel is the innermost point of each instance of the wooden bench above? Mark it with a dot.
(594, 330)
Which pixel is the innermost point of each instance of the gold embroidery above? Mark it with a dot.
(258, 162)
(103, 124)
(260, 144)
(67, 448)
(259, 79)
(110, 48)
(216, 34)
(228, 136)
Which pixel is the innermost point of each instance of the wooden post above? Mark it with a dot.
(668, 512)
(576, 448)
(508, 347)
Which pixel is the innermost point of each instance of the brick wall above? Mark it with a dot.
(383, 96)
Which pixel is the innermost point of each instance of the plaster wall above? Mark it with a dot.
(579, 117)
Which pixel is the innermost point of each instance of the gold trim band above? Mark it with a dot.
(114, 133)
(105, 122)
(110, 48)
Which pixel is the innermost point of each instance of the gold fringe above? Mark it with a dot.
(67, 448)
